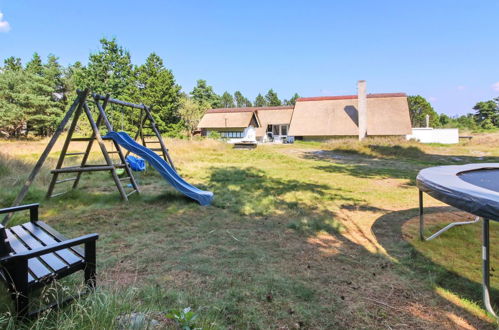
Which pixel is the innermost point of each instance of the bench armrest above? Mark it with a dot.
(52, 248)
(33, 210)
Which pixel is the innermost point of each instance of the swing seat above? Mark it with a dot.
(136, 163)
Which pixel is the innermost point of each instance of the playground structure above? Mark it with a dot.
(146, 131)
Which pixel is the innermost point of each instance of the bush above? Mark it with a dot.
(214, 135)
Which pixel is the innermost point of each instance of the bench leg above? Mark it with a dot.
(18, 272)
(90, 264)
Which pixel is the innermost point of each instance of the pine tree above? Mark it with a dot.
(108, 71)
(272, 99)
(26, 104)
(487, 114)
(293, 99)
(13, 64)
(35, 65)
(202, 93)
(260, 101)
(227, 100)
(155, 86)
(419, 107)
(241, 101)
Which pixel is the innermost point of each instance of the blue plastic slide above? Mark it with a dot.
(124, 140)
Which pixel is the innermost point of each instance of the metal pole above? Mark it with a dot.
(441, 231)
(486, 266)
(421, 216)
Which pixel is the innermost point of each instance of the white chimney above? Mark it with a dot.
(362, 108)
(427, 120)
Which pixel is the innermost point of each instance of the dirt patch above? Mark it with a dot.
(123, 274)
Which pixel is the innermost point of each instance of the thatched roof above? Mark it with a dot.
(387, 114)
(241, 117)
(267, 117)
(248, 109)
(226, 120)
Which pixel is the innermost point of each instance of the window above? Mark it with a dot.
(231, 135)
(278, 129)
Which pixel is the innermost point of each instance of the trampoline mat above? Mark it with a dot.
(485, 178)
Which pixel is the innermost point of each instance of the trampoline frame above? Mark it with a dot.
(485, 248)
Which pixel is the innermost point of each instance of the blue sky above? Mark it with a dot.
(447, 51)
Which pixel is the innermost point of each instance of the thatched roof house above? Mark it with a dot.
(387, 114)
(230, 121)
(317, 117)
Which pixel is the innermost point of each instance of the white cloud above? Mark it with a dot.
(495, 86)
(461, 88)
(4, 25)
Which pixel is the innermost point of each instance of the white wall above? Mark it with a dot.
(435, 135)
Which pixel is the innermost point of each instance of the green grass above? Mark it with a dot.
(311, 235)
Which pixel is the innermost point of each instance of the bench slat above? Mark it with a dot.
(36, 266)
(59, 237)
(67, 255)
(50, 258)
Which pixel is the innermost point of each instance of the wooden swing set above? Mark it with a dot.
(146, 132)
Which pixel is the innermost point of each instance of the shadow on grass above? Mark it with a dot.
(363, 166)
(249, 191)
(385, 161)
(409, 153)
(388, 232)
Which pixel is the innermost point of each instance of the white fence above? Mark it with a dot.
(435, 135)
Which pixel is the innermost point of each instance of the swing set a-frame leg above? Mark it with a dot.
(76, 106)
(109, 162)
(90, 144)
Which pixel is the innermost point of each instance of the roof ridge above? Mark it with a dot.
(349, 97)
(249, 109)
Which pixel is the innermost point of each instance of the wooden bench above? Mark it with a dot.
(33, 254)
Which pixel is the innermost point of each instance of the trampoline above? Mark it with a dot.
(473, 188)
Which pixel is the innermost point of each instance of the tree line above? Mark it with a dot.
(484, 117)
(35, 96)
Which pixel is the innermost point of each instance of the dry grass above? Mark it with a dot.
(295, 238)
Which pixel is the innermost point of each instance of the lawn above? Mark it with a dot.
(311, 235)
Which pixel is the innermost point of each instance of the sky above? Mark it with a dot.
(446, 51)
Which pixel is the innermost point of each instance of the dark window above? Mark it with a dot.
(231, 135)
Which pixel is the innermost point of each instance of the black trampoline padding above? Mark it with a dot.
(473, 188)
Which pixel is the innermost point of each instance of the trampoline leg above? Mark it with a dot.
(421, 217)
(441, 231)
(485, 267)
